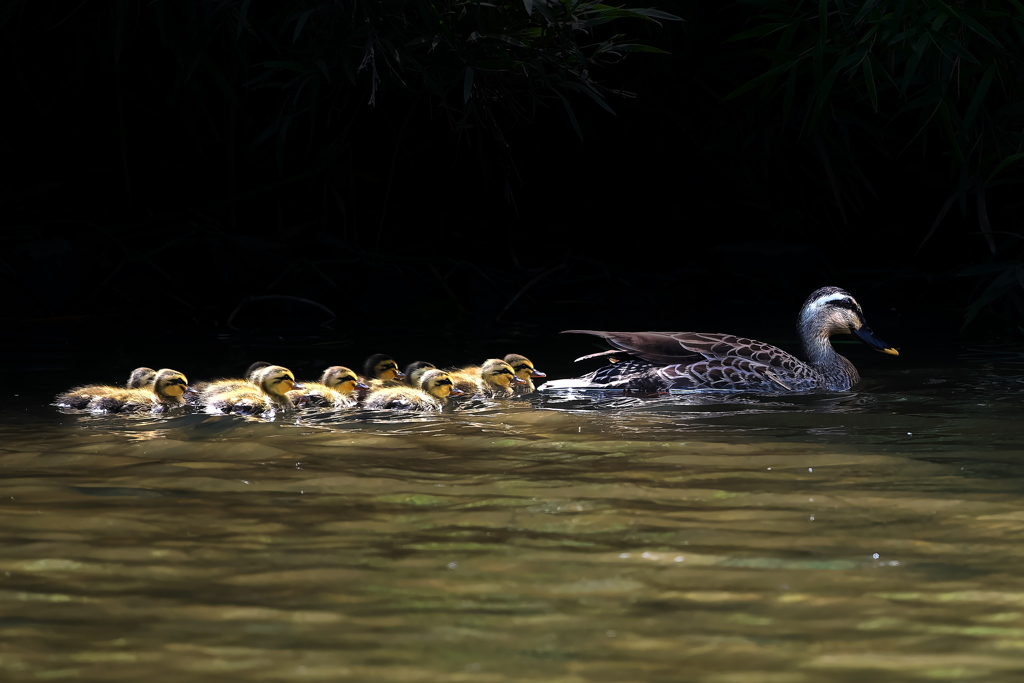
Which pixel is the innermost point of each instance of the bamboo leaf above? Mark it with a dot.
(243, 12)
(467, 84)
(303, 18)
(572, 116)
(1004, 163)
(869, 81)
(912, 63)
(969, 22)
(760, 80)
(979, 96)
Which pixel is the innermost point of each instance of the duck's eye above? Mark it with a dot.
(443, 381)
(523, 366)
(176, 380)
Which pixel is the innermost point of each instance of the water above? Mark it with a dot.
(874, 535)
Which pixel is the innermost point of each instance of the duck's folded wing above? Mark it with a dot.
(655, 347)
(734, 373)
(670, 348)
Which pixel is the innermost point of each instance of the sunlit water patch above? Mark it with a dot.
(870, 535)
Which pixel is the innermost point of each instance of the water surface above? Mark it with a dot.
(874, 535)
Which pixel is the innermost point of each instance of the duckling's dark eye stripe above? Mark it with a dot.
(522, 366)
(444, 381)
(176, 380)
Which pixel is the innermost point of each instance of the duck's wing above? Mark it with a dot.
(655, 347)
(683, 348)
(735, 373)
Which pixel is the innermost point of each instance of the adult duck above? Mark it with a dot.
(697, 361)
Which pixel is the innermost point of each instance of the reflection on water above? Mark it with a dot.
(873, 535)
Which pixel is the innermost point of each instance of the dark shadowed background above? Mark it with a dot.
(448, 175)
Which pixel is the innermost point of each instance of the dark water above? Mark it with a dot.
(875, 535)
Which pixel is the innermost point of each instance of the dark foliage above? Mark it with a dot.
(313, 162)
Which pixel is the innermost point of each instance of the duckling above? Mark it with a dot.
(432, 395)
(79, 397)
(494, 379)
(525, 371)
(379, 369)
(414, 371)
(169, 387)
(204, 391)
(267, 393)
(336, 388)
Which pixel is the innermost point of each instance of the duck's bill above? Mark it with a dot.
(865, 335)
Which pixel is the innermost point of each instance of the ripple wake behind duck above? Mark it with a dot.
(699, 361)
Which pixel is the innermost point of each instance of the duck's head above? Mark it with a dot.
(169, 383)
(414, 371)
(142, 378)
(383, 367)
(831, 310)
(522, 366)
(341, 379)
(275, 380)
(498, 373)
(438, 383)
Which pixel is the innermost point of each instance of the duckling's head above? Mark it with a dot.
(438, 383)
(522, 366)
(341, 379)
(141, 378)
(275, 380)
(831, 310)
(381, 366)
(414, 371)
(497, 372)
(250, 372)
(169, 383)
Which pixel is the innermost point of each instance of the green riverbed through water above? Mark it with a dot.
(873, 535)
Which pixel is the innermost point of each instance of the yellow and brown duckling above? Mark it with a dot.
(494, 379)
(432, 395)
(167, 391)
(414, 371)
(336, 389)
(525, 371)
(267, 393)
(380, 369)
(79, 397)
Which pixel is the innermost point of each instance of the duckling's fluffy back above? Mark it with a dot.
(337, 388)
(80, 397)
(169, 387)
(435, 387)
(267, 393)
(205, 391)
